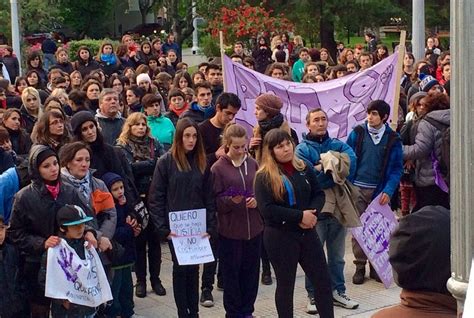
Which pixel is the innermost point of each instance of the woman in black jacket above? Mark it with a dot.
(289, 198)
(181, 169)
(21, 142)
(85, 63)
(33, 226)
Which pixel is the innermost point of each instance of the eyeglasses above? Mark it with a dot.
(34, 99)
(56, 122)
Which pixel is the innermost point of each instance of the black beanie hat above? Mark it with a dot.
(381, 107)
(79, 118)
(45, 154)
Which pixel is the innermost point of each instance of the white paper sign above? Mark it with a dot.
(189, 245)
(81, 282)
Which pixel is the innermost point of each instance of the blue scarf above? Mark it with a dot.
(109, 59)
(208, 111)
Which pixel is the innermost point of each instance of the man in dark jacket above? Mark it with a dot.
(108, 116)
(49, 49)
(170, 44)
(214, 77)
(202, 108)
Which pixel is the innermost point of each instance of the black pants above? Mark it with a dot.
(265, 261)
(209, 269)
(285, 250)
(148, 237)
(185, 287)
(240, 265)
(430, 195)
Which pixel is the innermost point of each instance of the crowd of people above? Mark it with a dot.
(130, 135)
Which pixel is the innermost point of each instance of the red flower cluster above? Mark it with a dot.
(246, 21)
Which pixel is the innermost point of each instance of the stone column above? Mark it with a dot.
(418, 29)
(462, 147)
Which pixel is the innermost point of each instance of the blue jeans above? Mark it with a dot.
(122, 291)
(48, 61)
(333, 234)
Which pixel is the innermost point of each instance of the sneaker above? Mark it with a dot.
(206, 298)
(358, 278)
(159, 289)
(342, 300)
(266, 279)
(140, 290)
(311, 306)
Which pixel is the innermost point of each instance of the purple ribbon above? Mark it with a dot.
(439, 180)
(235, 192)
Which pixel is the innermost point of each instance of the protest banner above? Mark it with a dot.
(378, 223)
(189, 244)
(344, 99)
(81, 282)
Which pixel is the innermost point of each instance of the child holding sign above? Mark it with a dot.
(182, 181)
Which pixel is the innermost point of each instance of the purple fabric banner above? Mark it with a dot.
(344, 100)
(378, 223)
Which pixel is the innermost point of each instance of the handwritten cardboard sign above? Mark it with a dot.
(81, 282)
(378, 223)
(189, 245)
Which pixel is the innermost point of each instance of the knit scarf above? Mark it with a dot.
(83, 185)
(268, 124)
(109, 59)
(53, 190)
(208, 111)
(376, 134)
(178, 112)
(140, 148)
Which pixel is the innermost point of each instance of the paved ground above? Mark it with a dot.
(371, 296)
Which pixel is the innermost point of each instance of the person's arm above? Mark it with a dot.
(345, 148)
(317, 194)
(394, 169)
(224, 201)
(424, 143)
(157, 196)
(270, 208)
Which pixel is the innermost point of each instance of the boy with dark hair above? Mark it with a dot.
(379, 168)
(214, 77)
(298, 67)
(202, 108)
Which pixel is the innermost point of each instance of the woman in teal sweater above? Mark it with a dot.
(161, 127)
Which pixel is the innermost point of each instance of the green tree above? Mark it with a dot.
(87, 17)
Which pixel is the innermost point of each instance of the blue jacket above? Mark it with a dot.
(9, 185)
(310, 151)
(394, 168)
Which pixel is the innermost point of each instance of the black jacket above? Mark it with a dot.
(27, 121)
(13, 67)
(281, 215)
(86, 68)
(174, 190)
(143, 170)
(34, 211)
(12, 293)
(65, 67)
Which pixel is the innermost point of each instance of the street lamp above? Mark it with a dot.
(195, 47)
(15, 32)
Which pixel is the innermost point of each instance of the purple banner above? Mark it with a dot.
(345, 99)
(378, 223)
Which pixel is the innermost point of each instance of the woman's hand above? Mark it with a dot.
(104, 244)
(52, 241)
(171, 235)
(309, 219)
(255, 142)
(251, 203)
(237, 199)
(206, 235)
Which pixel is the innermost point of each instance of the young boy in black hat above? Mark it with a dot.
(71, 220)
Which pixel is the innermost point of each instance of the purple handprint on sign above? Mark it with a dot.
(66, 265)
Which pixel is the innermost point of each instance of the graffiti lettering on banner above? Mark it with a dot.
(190, 246)
(344, 99)
(79, 281)
(378, 223)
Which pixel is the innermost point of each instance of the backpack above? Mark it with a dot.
(444, 161)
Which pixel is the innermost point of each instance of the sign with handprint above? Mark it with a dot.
(378, 223)
(80, 281)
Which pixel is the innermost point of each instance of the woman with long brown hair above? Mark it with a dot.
(289, 198)
(141, 151)
(181, 169)
(50, 130)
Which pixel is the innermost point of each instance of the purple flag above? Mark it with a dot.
(345, 99)
(378, 223)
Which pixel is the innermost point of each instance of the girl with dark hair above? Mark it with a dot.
(145, 52)
(156, 47)
(161, 127)
(34, 80)
(326, 57)
(182, 80)
(380, 54)
(20, 84)
(50, 130)
(134, 96)
(34, 63)
(92, 88)
(183, 167)
(198, 77)
(108, 61)
(21, 142)
(289, 198)
(85, 63)
(141, 152)
(117, 83)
